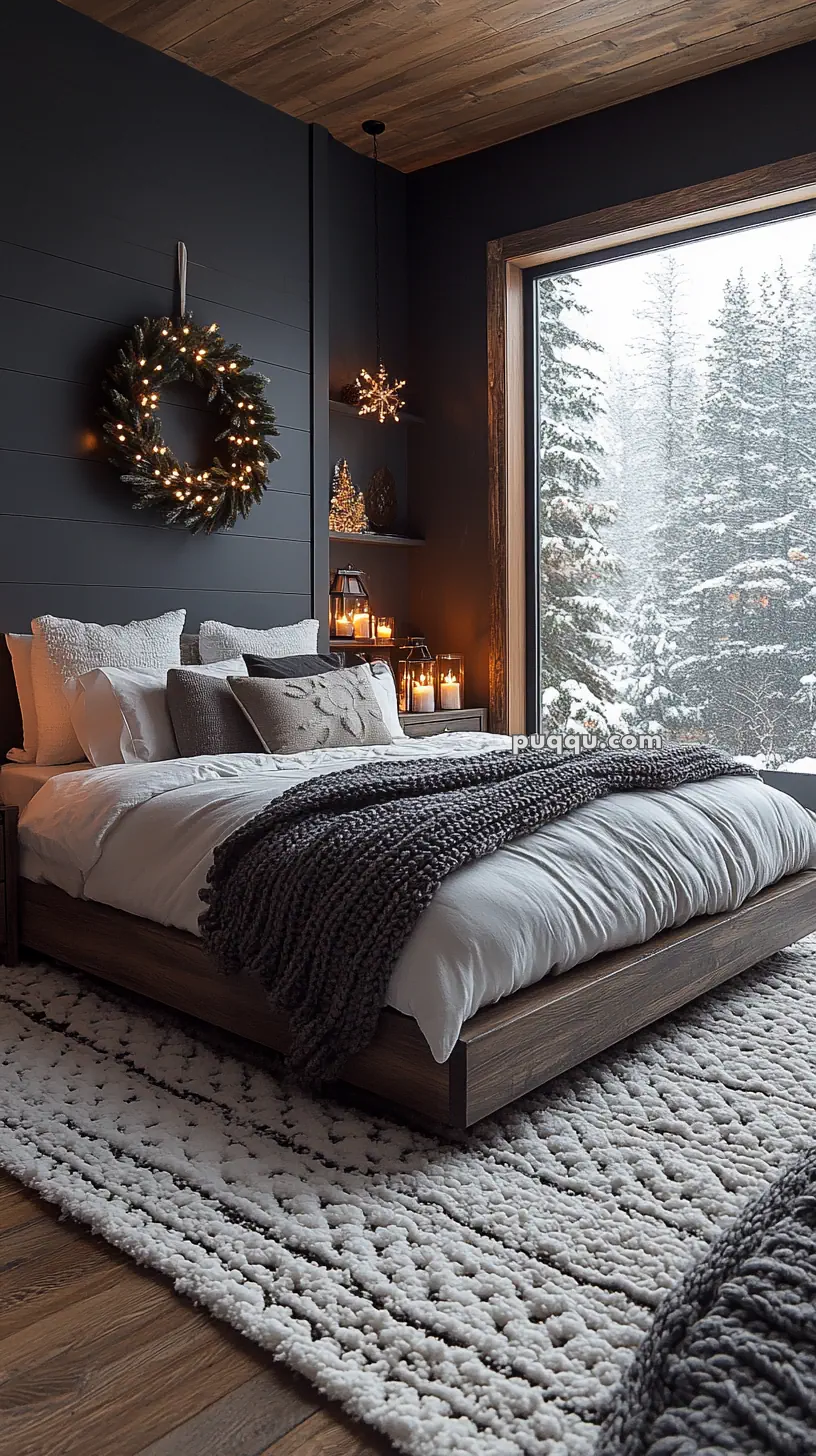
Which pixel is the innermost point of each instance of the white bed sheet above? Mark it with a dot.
(19, 782)
(609, 875)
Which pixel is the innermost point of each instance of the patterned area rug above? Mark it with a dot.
(477, 1294)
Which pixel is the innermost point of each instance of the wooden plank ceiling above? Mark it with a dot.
(452, 76)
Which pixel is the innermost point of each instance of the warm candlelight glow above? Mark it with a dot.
(422, 696)
(385, 631)
(349, 607)
(449, 692)
(417, 678)
(451, 681)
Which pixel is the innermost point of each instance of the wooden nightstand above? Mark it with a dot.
(9, 950)
(456, 720)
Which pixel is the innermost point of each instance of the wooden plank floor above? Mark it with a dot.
(101, 1358)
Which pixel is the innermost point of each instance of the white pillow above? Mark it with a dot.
(63, 649)
(121, 716)
(217, 640)
(19, 646)
(386, 691)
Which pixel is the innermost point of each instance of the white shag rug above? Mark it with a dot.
(476, 1294)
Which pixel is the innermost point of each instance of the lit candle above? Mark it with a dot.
(343, 626)
(362, 624)
(384, 631)
(449, 695)
(422, 697)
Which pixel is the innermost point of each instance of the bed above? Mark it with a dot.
(525, 964)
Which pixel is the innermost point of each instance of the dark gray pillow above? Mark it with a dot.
(330, 710)
(304, 665)
(205, 716)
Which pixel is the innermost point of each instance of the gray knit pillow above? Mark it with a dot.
(206, 717)
(330, 710)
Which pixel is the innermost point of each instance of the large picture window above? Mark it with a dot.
(673, 469)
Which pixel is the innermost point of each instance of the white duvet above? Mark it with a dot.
(611, 874)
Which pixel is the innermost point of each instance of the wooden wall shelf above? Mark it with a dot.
(339, 407)
(363, 644)
(374, 538)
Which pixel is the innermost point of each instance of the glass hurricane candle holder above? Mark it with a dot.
(384, 630)
(422, 688)
(415, 651)
(419, 690)
(451, 678)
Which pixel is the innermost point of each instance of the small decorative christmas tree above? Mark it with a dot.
(347, 510)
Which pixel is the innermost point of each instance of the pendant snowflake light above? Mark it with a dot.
(377, 393)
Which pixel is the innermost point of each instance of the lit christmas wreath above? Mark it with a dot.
(164, 351)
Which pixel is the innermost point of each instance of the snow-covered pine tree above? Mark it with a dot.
(663, 403)
(778, 572)
(651, 653)
(667, 376)
(710, 520)
(806, 301)
(626, 477)
(750, 632)
(803, 550)
(577, 623)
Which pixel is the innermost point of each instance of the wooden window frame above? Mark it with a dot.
(761, 189)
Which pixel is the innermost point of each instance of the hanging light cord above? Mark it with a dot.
(377, 249)
(376, 394)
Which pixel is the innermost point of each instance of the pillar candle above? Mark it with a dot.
(422, 697)
(449, 694)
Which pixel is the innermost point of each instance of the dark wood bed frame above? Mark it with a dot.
(503, 1051)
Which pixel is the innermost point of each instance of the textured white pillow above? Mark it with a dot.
(63, 649)
(121, 716)
(217, 640)
(386, 691)
(19, 646)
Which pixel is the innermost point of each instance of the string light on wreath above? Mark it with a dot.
(176, 350)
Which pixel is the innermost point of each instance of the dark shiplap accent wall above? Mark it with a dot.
(112, 152)
(745, 117)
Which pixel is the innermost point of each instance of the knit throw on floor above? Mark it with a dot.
(729, 1364)
(318, 894)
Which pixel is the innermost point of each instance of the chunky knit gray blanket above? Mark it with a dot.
(318, 894)
(729, 1364)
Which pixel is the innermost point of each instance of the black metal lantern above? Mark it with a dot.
(349, 605)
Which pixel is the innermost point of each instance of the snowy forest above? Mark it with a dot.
(677, 516)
